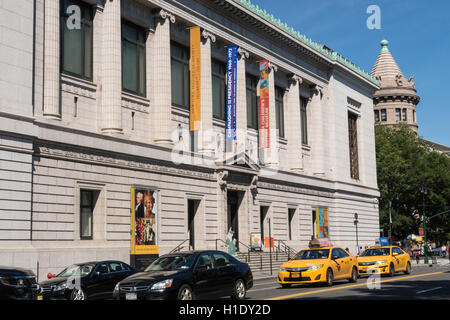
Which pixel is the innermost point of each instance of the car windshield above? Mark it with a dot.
(170, 263)
(376, 252)
(312, 254)
(77, 270)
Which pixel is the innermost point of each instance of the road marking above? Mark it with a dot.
(352, 286)
(432, 289)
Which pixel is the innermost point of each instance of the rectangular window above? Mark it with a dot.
(383, 115)
(304, 119)
(252, 101)
(414, 116)
(377, 115)
(279, 110)
(219, 88)
(404, 118)
(397, 114)
(353, 145)
(86, 214)
(76, 42)
(133, 58)
(180, 74)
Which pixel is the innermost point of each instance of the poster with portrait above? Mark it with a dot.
(144, 217)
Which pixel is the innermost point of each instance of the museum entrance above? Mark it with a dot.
(234, 199)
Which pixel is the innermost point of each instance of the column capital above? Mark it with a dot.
(316, 89)
(208, 35)
(243, 53)
(163, 14)
(273, 67)
(293, 79)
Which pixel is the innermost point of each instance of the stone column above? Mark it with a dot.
(293, 125)
(51, 107)
(207, 137)
(317, 135)
(111, 86)
(241, 102)
(160, 80)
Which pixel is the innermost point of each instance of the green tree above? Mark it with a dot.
(404, 162)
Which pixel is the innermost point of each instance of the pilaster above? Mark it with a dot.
(293, 125)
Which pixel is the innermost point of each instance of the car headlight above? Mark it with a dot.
(317, 267)
(162, 285)
(381, 262)
(116, 288)
(60, 287)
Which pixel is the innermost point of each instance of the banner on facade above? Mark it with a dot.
(231, 93)
(322, 222)
(264, 125)
(144, 234)
(195, 79)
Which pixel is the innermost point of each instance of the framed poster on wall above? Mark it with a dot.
(144, 226)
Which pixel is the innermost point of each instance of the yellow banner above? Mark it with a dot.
(195, 79)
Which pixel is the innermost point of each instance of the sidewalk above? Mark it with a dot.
(438, 262)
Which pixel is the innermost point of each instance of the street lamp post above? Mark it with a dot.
(356, 225)
(390, 222)
(424, 191)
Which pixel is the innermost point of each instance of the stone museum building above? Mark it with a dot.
(97, 104)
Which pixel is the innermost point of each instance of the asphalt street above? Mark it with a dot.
(422, 283)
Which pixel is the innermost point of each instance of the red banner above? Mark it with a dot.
(264, 125)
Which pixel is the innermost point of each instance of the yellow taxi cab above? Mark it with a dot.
(384, 260)
(315, 265)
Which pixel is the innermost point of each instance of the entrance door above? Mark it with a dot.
(264, 227)
(233, 217)
(192, 210)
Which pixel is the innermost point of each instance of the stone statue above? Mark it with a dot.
(231, 242)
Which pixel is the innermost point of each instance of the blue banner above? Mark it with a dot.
(230, 130)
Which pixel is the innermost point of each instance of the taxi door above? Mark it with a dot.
(337, 264)
(348, 262)
(398, 260)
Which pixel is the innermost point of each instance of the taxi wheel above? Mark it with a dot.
(354, 276)
(329, 280)
(408, 268)
(391, 270)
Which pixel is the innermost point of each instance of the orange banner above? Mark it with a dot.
(195, 79)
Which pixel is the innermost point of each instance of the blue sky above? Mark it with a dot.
(419, 39)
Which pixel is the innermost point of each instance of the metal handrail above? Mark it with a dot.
(249, 249)
(179, 247)
(287, 249)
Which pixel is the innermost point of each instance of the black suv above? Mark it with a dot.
(18, 283)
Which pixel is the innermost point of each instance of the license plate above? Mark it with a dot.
(131, 296)
(295, 275)
(40, 298)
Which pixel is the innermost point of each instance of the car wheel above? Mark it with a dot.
(239, 290)
(185, 293)
(391, 270)
(78, 294)
(329, 279)
(354, 276)
(286, 285)
(408, 268)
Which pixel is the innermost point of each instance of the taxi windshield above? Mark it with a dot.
(312, 254)
(376, 252)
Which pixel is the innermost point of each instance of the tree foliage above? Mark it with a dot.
(404, 162)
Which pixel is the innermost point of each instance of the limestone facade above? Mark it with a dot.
(61, 134)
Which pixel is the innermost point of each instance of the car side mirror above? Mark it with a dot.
(97, 274)
(395, 254)
(335, 257)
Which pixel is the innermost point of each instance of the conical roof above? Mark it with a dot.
(385, 66)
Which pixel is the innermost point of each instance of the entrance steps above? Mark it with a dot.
(259, 262)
